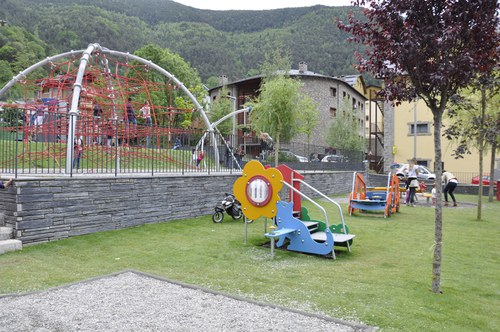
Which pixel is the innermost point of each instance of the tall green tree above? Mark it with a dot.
(177, 66)
(429, 50)
(221, 107)
(474, 124)
(19, 49)
(308, 119)
(344, 133)
(277, 106)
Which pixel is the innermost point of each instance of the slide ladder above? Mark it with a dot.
(306, 235)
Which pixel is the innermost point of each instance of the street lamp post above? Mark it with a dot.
(245, 133)
(415, 130)
(233, 139)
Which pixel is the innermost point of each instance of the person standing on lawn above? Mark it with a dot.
(411, 182)
(200, 157)
(451, 183)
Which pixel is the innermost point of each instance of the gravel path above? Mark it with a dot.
(134, 301)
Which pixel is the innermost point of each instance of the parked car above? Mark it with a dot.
(334, 158)
(486, 180)
(423, 172)
(292, 156)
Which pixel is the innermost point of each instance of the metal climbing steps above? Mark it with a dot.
(312, 226)
(337, 238)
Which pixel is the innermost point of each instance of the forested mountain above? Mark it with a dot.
(232, 43)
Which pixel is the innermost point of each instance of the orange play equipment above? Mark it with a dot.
(364, 198)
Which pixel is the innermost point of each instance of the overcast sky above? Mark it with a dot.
(259, 4)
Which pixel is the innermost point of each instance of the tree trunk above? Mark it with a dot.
(480, 192)
(277, 149)
(481, 143)
(492, 172)
(438, 224)
(308, 147)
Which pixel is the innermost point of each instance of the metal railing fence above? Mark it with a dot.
(472, 177)
(110, 146)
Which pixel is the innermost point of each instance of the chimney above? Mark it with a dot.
(302, 67)
(223, 80)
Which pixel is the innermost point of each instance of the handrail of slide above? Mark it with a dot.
(353, 183)
(389, 187)
(388, 197)
(310, 200)
(362, 183)
(328, 199)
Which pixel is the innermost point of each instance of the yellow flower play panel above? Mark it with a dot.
(257, 189)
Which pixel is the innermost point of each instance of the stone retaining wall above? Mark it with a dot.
(48, 209)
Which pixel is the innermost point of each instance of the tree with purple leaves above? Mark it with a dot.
(427, 49)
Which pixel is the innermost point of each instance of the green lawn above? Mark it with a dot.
(384, 281)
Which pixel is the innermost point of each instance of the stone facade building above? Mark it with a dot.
(328, 92)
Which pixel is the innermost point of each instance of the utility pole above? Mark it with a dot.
(415, 129)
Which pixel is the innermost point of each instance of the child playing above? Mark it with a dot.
(201, 155)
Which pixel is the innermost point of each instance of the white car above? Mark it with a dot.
(334, 158)
(301, 159)
(290, 154)
(423, 172)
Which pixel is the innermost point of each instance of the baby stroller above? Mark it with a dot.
(230, 205)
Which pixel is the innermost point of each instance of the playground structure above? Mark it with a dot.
(364, 198)
(257, 190)
(85, 95)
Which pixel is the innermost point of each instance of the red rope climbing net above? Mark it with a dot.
(41, 115)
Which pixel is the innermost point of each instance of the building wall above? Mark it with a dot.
(319, 91)
(317, 87)
(404, 116)
(390, 146)
(48, 209)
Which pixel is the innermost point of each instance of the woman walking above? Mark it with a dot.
(412, 182)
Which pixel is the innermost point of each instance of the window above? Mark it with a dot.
(333, 112)
(422, 128)
(423, 163)
(333, 92)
